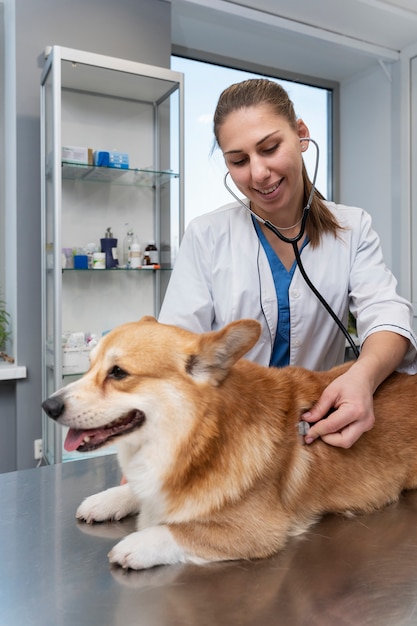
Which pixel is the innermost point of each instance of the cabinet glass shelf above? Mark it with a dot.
(134, 177)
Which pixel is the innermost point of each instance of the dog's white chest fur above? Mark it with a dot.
(144, 470)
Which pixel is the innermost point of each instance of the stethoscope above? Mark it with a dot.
(294, 241)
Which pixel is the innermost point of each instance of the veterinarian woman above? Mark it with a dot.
(231, 266)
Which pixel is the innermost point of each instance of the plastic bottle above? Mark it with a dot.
(129, 239)
(151, 252)
(134, 255)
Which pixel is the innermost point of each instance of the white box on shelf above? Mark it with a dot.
(75, 360)
(77, 154)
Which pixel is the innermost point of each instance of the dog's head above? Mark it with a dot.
(142, 373)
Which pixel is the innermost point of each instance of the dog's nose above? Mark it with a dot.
(53, 407)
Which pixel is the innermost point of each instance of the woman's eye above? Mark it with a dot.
(271, 149)
(239, 162)
(117, 373)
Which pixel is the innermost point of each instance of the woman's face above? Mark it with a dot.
(263, 155)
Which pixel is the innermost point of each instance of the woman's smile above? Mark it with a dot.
(269, 191)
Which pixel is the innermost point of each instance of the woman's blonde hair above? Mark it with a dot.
(260, 91)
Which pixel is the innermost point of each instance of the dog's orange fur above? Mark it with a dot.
(226, 469)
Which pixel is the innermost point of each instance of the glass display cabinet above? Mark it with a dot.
(111, 162)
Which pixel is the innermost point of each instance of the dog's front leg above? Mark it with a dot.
(114, 503)
(152, 546)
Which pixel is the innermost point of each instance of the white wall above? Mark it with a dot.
(408, 159)
(366, 149)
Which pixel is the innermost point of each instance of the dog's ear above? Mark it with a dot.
(218, 351)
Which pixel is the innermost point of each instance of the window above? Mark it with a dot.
(204, 169)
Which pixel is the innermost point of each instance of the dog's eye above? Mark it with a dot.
(117, 373)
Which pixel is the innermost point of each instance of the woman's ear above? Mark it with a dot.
(302, 130)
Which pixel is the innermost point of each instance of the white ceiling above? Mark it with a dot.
(386, 23)
(328, 39)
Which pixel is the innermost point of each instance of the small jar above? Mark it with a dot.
(152, 251)
(67, 259)
(99, 261)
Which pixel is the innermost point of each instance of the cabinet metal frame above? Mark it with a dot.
(159, 84)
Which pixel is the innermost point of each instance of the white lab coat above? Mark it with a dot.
(222, 274)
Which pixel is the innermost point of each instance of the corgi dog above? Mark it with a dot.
(208, 442)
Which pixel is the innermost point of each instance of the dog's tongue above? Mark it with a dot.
(92, 438)
(74, 439)
(96, 436)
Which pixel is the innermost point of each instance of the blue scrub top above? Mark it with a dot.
(282, 280)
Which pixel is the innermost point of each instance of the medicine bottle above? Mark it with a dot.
(129, 239)
(151, 251)
(134, 256)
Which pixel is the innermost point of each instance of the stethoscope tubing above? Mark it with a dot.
(294, 241)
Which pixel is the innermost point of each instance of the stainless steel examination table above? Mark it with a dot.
(54, 570)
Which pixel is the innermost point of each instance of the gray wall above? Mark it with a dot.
(139, 30)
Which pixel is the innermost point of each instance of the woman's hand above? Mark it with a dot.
(348, 400)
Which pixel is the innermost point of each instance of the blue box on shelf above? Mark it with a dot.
(105, 158)
(80, 262)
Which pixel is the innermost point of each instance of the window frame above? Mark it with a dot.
(333, 121)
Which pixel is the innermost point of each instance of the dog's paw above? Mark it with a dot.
(112, 504)
(147, 548)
